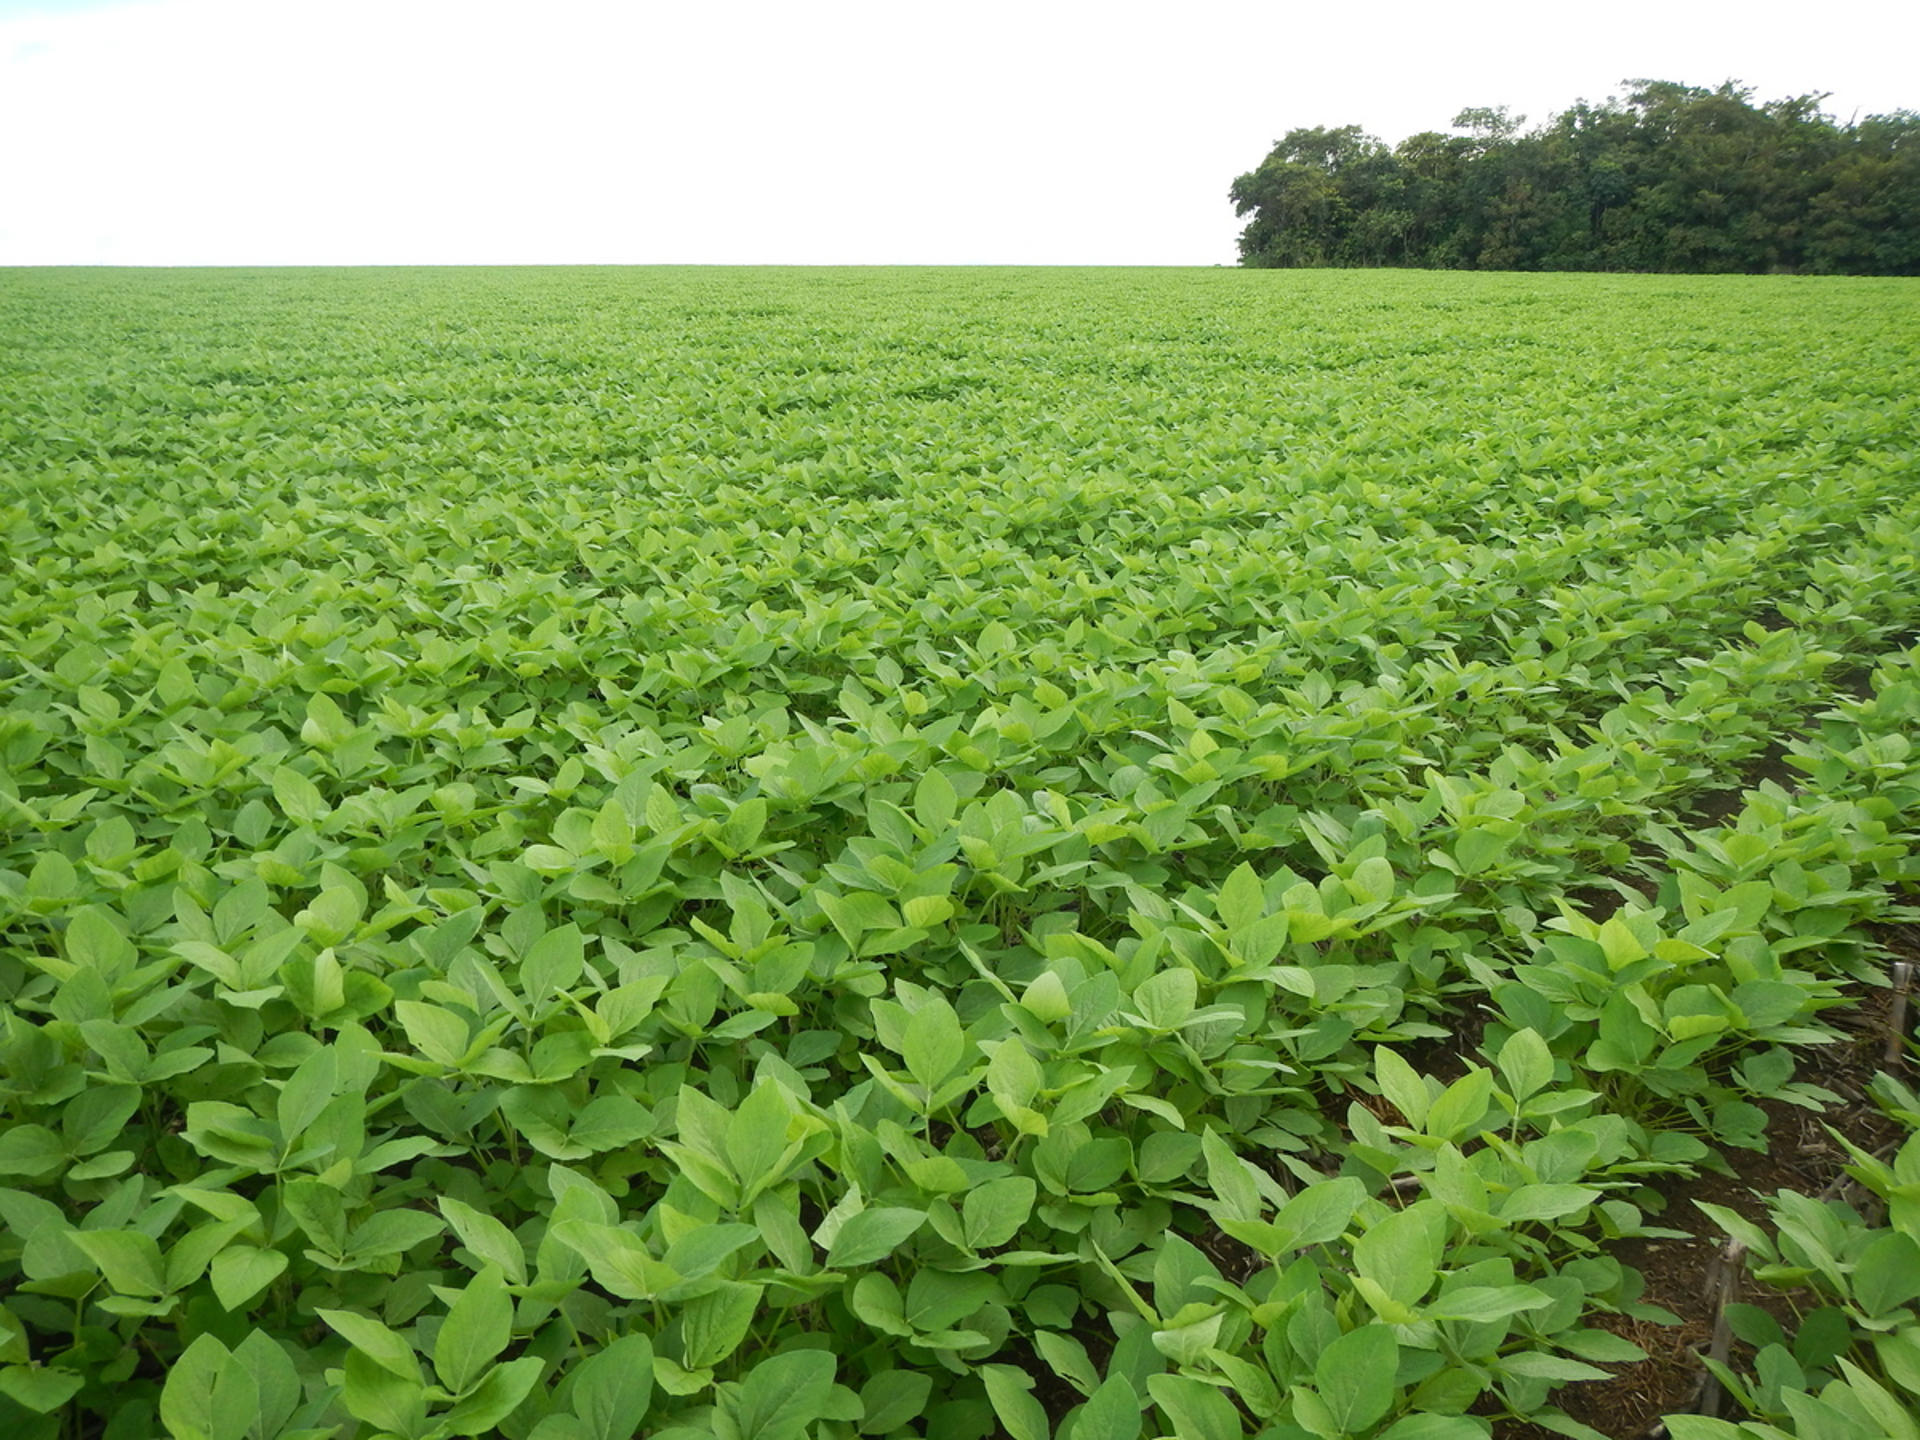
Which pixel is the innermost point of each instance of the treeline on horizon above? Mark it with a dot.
(1671, 178)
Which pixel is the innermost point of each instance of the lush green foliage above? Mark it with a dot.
(1670, 178)
(587, 853)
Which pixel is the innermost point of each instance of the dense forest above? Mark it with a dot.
(1669, 178)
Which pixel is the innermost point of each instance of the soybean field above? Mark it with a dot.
(947, 854)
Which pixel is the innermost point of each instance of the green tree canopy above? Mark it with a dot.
(1668, 177)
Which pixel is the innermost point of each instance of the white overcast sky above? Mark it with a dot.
(216, 132)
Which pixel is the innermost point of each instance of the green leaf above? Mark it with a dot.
(992, 1215)
(756, 1136)
(935, 802)
(477, 1328)
(298, 797)
(1230, 1178)
(378, 1396)
(1011, 1393)
(1165, 999)
(714, 1324)
(438, 1034)
(392, 1232)
(1436, 1427)
(1484, 1303)
(934, 1044)
(235, 1404)
(1895, 1418)
(495, 1397)
(306, 1093)
(553, 963)
(873, 1235)
(44, 1389)
(1461, 1106)
(1320, 1212)
(1354, 1375)
(1534, 1365)
(620, 1261)
(130, 1260)
(893, 1399)
(1241, 900)
(1197, 1410)
(31, 1150)
(779, 1398)
(1401, 1085)
(1113, 1412)
(1526, 1064)
(1546, 1202)
(486, 1237)
(611, 1389)
(1887, 1274)
(1401, 1252)
(610, 1122)
(276, 1381)
(379, 1344)
(240, 1273)
(186, 1400)
(96, 1117)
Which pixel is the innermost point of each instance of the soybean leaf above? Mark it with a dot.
(611, 1388)
(779, 1398)
(1354, 1376)
(873, 1235)
(477, 1328)
(1113, 1412)
(1011, 1393)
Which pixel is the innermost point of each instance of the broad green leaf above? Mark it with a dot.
(1435, 1427)
(756, 1135)
(894, 1398)
(1242, 899)
(714, 1323)
(1483, 1303)
(276, 1382)
(436, 1033)
(1113, 1412)
(495, 1397)
(872, 1235)
(1401, 1252)
(186, 1399)
(1546, 1202)
(130, 1260)
(779, 1398)
(382, 1346)
(305, 1094)
(1165, 1000)
(1535, 1365)
(31, 1150)
(934, 1044)
(1402, 1085)
(1887, 1274)
(1461, 1106)
(1011, 1392)
(241, 1272)
(1354, 1376)
(993, 1214)
(1320, 1212)
(1198, 1410)
(486, 1237)
(375, 1394)
(477, 1328)
(1526, 1064)
(44, 1389)
(611, 1388)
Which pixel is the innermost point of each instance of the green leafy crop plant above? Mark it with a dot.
(800, 855)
